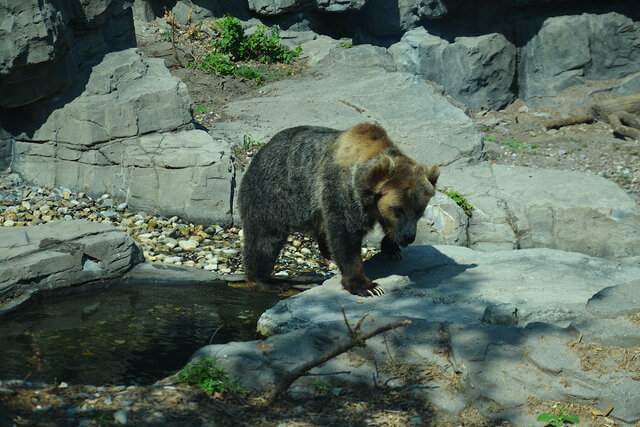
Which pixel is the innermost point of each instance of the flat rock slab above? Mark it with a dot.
(457, 284)
(59, 254)
(505, 333)
(356, 85)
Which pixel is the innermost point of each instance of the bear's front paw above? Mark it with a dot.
(374, 291)
(389, 247)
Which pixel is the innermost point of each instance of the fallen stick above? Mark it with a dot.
(575, 120)
(356, 340)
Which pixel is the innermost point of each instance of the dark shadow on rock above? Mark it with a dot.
(418, 263)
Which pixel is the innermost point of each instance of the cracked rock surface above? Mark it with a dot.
(499, 332)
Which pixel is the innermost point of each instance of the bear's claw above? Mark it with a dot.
(375, 291)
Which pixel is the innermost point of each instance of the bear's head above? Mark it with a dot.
(401, 190)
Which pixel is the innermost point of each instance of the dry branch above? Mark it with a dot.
(568, 121)
(356, 340)
(171, 20)
(620, 113)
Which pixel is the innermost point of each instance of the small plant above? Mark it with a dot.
(565, 417)
(249, 145)
(248, 141)
(209, 377)
(194, 31)
(460, 200)
(202, 109)
(490, 138)
(166, 34)
(323, 387)
(347, 45)
(232, 45)
(103, 417)
(513, 144)
(516, 144)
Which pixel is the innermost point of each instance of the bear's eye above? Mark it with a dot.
(398, 211)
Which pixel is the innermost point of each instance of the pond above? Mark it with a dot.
(130, 332)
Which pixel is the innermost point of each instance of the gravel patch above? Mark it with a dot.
(163, 240)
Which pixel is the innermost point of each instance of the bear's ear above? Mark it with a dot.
(378, 173)
(432, 174)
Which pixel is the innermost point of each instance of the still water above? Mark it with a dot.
(124, 332)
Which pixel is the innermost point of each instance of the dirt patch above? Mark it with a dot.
(209, 92)
(518, 136)
(623, 360)
(177, 405)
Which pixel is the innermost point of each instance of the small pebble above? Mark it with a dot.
(120, 416)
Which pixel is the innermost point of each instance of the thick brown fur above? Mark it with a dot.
(335, 185)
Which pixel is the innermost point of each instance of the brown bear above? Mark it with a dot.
(334, 185)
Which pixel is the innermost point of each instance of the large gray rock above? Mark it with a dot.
(478, 71)
(46, 43)
(456, 284)
(129, 134)
(355, 85)
(518, 207)
(490, 331)
(60, 254)
(569, 49)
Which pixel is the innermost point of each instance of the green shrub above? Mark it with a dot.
(232, 45)
(209, 377)
(230, 37)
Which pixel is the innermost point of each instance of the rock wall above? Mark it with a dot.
(47, 44)
(475, 51)
(130, 134)
(82, 108)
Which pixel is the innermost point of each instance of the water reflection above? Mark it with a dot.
(123, 333)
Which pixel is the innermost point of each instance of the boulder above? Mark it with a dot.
(130, 134)
(355, 85)
(487, 331)
(61, 254)
(569, 49)
(46, 44)
(517, 207)
(478, 71)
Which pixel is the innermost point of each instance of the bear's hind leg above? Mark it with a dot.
(261, 250)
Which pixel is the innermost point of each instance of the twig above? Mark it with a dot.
(171, 20)
(173, 41)
(214, 334)
(356, 340)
